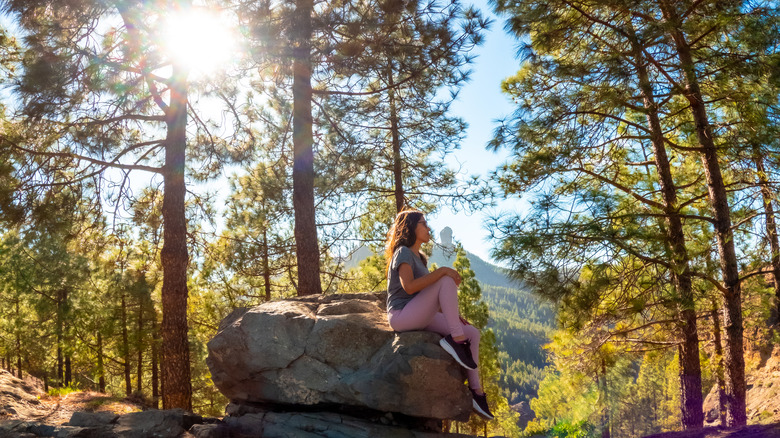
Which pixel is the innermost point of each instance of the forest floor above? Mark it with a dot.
(750, 431)
(58, 409)
(26, 400)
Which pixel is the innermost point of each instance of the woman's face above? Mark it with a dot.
(422, 232)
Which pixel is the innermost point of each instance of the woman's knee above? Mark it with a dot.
(447, 283)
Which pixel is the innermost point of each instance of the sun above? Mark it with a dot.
(200, 40)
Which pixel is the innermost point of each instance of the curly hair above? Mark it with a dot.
(402, 234)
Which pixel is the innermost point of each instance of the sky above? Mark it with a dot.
(480, 103)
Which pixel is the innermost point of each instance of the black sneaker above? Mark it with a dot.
(461, 352)
(480, 405)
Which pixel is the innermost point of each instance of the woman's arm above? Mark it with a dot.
(413, 285)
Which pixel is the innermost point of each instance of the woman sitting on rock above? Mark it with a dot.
(422, 300)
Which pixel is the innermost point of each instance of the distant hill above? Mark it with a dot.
(486, 273)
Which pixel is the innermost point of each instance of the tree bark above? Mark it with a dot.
(691, 400)
(155, 363)
(60, 341)
(60, 366)
(306, 242)
(139, 347)
(398, 189)
(18, 351)
(732, 296)
(174, 255)
(719, 365)
(66, 338)
(771, 230)
(266, 267)
(68, 370)
(602, 377)
(126, 347)
(100, 365)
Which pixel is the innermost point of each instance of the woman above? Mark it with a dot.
(422, 300)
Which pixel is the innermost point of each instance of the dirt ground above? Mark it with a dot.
(751, 431)
(26, 400)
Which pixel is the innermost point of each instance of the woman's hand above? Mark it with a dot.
(449, 272)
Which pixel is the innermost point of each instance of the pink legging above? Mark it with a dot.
(422, 313)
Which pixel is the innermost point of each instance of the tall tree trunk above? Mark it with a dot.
(174, 255)
(60, 341)
(266, 267)
(68, 374)
(691, 400)
(18, 352)
(60, 367)
(18, 342)
(395, 135)
(306, 243)
(140, 348)
(100, 364)
(155, 363)
(66, 338)
(718, 359)
(177, 388)
(771, 229)
(732, 294)
(602, 377)
(125, 347)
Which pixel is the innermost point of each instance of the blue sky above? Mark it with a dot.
(481, 103)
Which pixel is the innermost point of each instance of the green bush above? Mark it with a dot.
(564, 429)
(60, 391)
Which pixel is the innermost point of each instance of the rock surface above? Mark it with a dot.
(762, 390)
(19, 398)
(335, 350)
(314, 425)
(178, 424)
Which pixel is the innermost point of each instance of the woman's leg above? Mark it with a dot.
(439, 325)
(420, 311)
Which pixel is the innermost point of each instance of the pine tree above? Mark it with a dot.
(93, 100)
(582, 134)
(252, 252)
(347, 62)
(606, 136)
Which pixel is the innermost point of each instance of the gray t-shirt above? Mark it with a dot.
(396, 295)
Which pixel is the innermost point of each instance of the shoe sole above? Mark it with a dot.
(446, 346)
(480, 412)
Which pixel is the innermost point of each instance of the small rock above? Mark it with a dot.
(92, 419)
(210, 431)
(152, 423)
(42, 429)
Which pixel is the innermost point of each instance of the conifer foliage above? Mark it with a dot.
(626, 135)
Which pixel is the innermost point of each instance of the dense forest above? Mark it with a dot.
(163, 162)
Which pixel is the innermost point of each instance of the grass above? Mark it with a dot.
(61, 391)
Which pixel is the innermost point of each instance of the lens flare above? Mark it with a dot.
(200, 40)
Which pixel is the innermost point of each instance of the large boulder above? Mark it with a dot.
(335, 350)
(317, 425)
